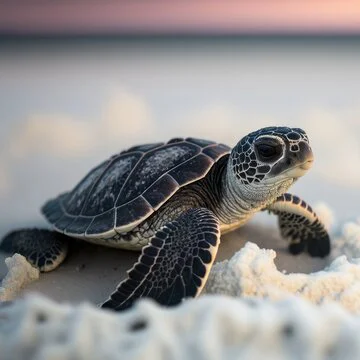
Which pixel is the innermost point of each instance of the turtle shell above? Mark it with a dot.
(123, 191)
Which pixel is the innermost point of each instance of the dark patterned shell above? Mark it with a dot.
(123, 191)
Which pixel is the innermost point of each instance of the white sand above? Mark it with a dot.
(20, 273)
(210, 327)
(252, 273)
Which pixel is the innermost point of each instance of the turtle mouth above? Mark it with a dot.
(299, 170)
(307, 164)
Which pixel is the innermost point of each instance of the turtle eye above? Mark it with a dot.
(268, 150)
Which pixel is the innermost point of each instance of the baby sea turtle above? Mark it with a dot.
(172, 200)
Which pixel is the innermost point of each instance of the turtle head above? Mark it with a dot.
(269, 160)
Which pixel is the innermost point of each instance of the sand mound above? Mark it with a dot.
(211, 327)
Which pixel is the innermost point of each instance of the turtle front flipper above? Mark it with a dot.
(44, 249)
(301, 226)
(175, 264)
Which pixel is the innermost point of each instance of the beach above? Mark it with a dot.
(82, 102)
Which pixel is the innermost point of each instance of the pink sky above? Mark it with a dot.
(185, 16)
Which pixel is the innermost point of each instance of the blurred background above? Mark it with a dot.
(82, 80)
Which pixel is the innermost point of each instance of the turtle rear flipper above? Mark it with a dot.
(44, 249)
(301, 226)
(175, 264)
